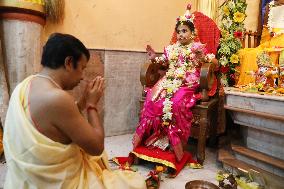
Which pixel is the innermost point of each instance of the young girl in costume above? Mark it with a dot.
(166, 117)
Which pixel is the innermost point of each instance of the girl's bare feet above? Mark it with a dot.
(136, 141)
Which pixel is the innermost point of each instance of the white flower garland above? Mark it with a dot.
(181, 60)
(269, 22)
(175, 76)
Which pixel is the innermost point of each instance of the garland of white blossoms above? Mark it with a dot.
(174, 78)
(176, 74)
(269, 22)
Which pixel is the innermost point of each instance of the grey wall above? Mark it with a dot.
(119, 107)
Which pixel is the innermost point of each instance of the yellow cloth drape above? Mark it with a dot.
(35, 161)
(248, 55)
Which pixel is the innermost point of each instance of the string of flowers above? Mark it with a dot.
(182, 59)
(270, 22)
(232, 30)
(174, 77)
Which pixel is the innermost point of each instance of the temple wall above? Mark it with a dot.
(120, 25)
(119, 107)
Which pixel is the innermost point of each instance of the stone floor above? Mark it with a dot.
(121, 145)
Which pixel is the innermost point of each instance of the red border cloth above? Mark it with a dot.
(156, 155)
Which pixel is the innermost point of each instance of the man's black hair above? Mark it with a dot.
(59, 46)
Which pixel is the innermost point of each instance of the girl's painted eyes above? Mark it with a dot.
(182, 31)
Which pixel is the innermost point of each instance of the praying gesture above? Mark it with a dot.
(95, 91)
(92, 93)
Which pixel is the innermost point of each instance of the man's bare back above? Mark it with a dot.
(42, 97)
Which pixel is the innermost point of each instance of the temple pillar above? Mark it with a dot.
(21, 25)
(4, 95)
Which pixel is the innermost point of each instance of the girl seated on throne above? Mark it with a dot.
(166, 117)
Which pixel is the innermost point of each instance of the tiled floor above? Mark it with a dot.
(121, 145)
(3, 170)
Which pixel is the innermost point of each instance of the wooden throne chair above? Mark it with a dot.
(204, 123)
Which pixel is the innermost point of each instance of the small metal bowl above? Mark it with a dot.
(200, 184)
